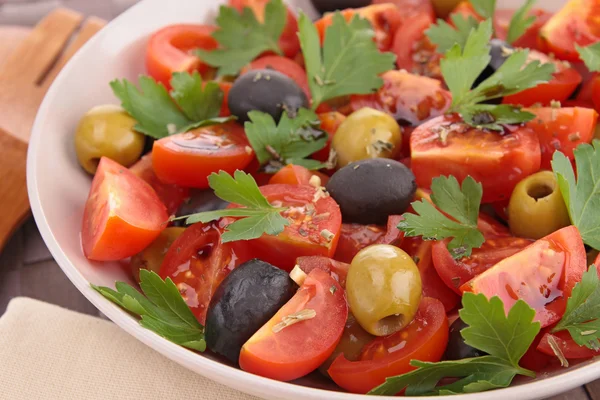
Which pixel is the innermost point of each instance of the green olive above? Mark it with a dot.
(107, 131)
(444, 7)
(152, 256)
(536, 207)
(383, 288)
(367, 133)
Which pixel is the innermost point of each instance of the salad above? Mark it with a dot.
(401, 196)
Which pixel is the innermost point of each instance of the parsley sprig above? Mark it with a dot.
(505, 338)
(581, 194)
(520, 22)
(191, 106)
(161, 308)
(460, 203)
(590, 56)
(242, 37)
(485, 8)
(582, 315)
(256, 216)
(348, 63)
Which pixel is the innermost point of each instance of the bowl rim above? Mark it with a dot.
(214, 370)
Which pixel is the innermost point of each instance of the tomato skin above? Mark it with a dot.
(529, 39)
(567, 346)
(393, 235)
(284, 65)
(498, 161)
(330, 122)
(296, 175)
(562, 129)
(287, 354)
(426, 339)
(575, 24)
(169, 50)
(303, 236)
(414, 52)
(407, 97)
(197, 262)
(337, 269)
(288, 42)
(122, 214)
(186, 159)
(543, 274)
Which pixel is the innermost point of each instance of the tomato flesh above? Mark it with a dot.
(300, 348)
(424, 339)
(296, 175)
(337, 269)
(566, 345)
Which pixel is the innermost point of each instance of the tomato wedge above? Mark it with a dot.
(289, 352)
(409, 98)
(446, 146)
(314, 228)
(198, 262)
(296, 175)
(566, 345)
(170, 50)
(543, 275)
(122, 214)
(284, 65)
(424, 339)
(529, 39)
(562, 129)
(186, 159)
(337, 269)
(354, 238)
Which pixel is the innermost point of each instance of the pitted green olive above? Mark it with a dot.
(107, 131)
(152, 256)
(367, 133)
(383, 288)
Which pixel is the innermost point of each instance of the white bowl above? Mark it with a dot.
(58, 188)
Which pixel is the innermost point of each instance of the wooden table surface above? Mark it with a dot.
(26, 266)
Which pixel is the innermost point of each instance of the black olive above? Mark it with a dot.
(457, 349)
(368, 191)
(199, 201)
(265, 90)
(324, 6)
(249, 296)
(499, 52)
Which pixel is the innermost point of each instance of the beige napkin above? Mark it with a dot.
(47, 352)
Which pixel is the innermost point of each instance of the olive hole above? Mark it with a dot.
(390, 324)
(539, 191)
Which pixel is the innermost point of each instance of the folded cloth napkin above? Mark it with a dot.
(47, 352)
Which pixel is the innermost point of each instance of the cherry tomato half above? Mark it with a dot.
(170, 50)
(186, 159)
(424, 339)
(314, 227)
(566, 345)
(543, 275)
(122, 214)
(289, 352)
(446, 146)
(414, 52)
(355, 237)
(296, 175)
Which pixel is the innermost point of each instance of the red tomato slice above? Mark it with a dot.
(170, 50)
(433, 285)
(337, 269)
(288, 42)
(446, 146)
(566, 345)
(172, 196)
(298, 349)
(529, 40)
(330, 122)
(354, 238)
(186, 159)
(284, 65)
(296, 175)
(314, 227)
(122, 214)
(411, 8)
(563, 83)
(575, 24)
(543, 275)
(562, 129)
(384, 18)
(198, 262)
(534, 359)
(393, 235)
(407, 97)
(424, 339)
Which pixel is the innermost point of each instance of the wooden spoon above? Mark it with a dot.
(25, 76)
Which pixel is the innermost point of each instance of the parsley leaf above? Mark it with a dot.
(590, 56)
(520, 22)
(582, 316)
(258, 216)
(348, 63)
(444, 35)
(462, 204)
(289, 142)
(581, 194)
(161, 308)
(504, 337)
(158, 115)
(492, 116)
(485, 8)
(242, 37)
